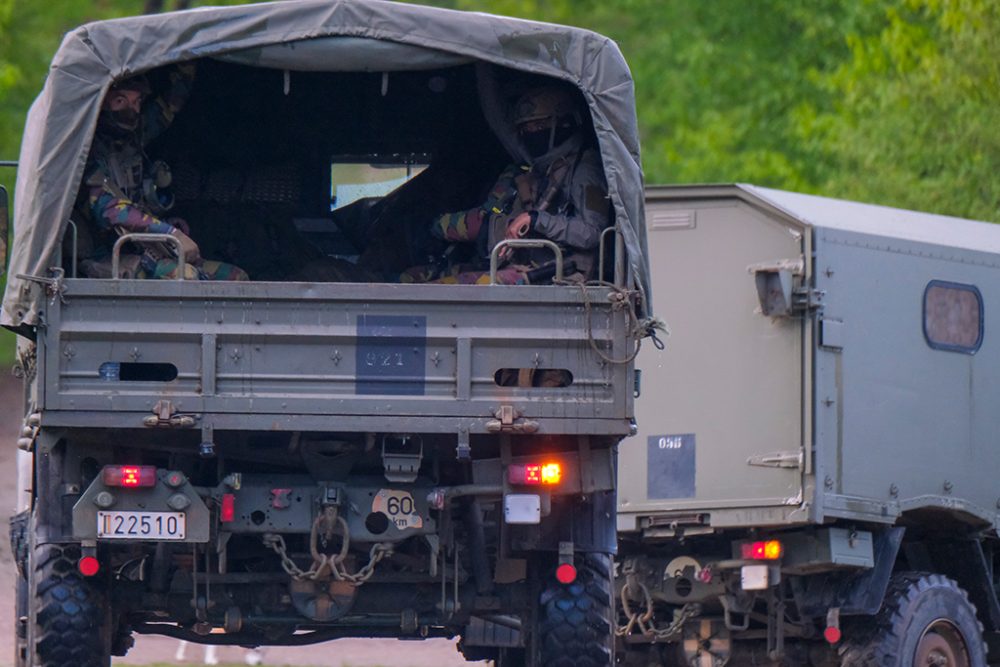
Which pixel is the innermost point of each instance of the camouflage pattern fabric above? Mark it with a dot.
(573, 217)
(114, 195)
(166, 269)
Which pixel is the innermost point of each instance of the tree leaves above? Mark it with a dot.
(888, 101)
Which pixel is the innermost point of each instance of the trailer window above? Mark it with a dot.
(953, 316)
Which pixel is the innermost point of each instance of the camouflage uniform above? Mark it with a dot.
(573, 218)
(563, 189)
(119, 196)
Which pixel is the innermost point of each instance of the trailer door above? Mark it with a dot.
(721, 425)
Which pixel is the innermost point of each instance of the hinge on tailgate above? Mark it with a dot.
(788, 459)
(165, 416)
(779, 288)
(508, 420)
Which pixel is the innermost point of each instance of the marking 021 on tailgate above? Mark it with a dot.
(391, 355)
(399, 507)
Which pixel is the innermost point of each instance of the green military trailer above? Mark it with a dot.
(323, 450)
(815, 478)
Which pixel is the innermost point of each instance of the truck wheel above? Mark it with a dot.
(21, 622)
(70, 619)
(575, 625)
(19, 550)
(926, 619)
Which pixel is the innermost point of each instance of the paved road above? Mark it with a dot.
(339, 653)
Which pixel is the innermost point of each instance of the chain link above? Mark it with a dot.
(324, 527)
(641, 621)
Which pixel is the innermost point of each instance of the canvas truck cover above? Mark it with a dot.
(320, 35)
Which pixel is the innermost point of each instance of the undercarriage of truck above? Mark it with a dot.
(292, 538)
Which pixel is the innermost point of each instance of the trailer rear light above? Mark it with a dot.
(227, 508)
(89, 566)
(129, 476)
(566, 573)
(535, 474)
(764, 550)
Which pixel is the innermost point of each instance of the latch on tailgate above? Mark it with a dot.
(508, 420)
(165, 416)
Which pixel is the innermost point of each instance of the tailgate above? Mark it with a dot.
(304, 352)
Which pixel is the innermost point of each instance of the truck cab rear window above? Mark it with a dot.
(953, 316)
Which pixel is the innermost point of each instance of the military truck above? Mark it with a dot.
(815, 477)
(291, 460)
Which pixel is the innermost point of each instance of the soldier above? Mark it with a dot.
(561, 195)
(125, 192)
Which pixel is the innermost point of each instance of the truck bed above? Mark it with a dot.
(289, 356)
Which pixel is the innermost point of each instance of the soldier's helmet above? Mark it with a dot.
(547, 102)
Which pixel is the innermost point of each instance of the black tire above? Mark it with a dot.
(576, 621)
(70, 620)
(925, 619)
(19, 549)
(21, 622)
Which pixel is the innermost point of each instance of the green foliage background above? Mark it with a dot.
(889, 101)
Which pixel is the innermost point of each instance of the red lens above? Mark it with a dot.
(89, 566)
(227, 509)
(566, 574)
(832, 635)
(129, 476)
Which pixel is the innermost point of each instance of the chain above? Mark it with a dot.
(642, 621)
(326, 565)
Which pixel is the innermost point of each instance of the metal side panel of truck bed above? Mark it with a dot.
(870, 399)
(288, 356)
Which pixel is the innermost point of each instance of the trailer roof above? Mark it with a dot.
(316, 35)
(849, 216)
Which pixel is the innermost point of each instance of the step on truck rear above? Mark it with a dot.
(325, 450)
(813, 481)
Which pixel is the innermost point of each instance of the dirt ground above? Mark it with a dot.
(162, 650)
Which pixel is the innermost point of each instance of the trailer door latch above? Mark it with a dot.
(788, 459)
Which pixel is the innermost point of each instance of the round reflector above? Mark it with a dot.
(832, 635)
(89, 566)
(566, 574)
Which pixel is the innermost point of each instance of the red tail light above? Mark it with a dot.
(535, 474)
(89, 566)
(227, 508)
(566, 574)
(129, 476)
(764, 550)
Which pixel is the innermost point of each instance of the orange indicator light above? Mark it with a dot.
(551, 473)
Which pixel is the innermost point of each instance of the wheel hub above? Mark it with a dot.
(941, 645)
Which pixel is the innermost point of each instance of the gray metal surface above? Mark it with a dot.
(413, 358)
(728, 388)
(900, 425)
(889, 424)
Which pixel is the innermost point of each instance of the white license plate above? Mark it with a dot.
(140, 525)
